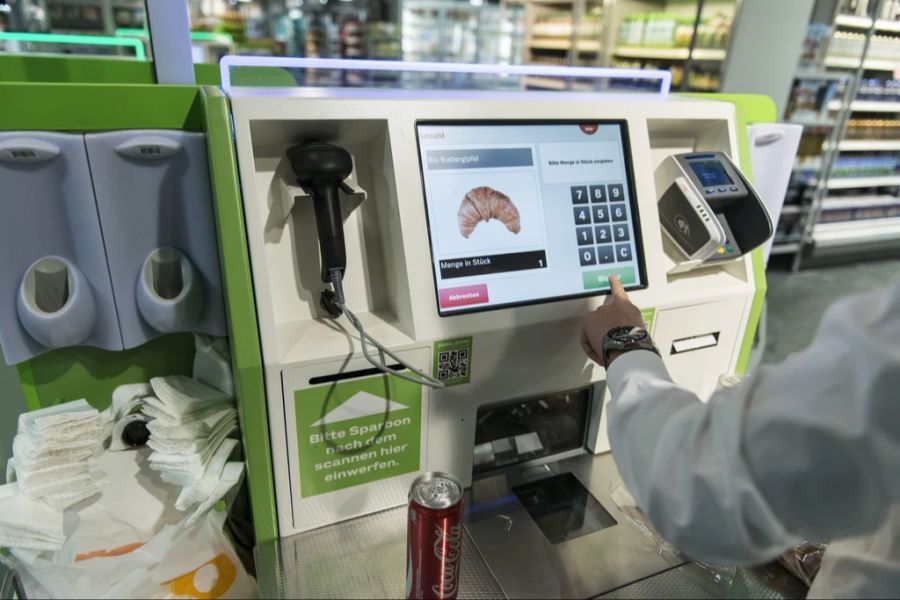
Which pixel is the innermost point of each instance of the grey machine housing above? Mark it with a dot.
(708, 209)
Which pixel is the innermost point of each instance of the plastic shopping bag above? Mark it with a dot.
(184, 562)
(130, 542)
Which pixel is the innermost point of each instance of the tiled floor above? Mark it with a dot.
(797, 301)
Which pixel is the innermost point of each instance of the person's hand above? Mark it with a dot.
(616, 311)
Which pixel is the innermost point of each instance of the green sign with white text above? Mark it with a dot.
(357, 431)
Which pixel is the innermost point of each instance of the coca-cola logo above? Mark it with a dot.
(447, 548)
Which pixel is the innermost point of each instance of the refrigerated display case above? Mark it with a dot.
(454, 31)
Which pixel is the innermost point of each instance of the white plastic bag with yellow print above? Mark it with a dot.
(180, 561)
(202, 564)
(130, 542)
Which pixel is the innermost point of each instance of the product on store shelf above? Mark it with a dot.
(847, 44)
(810, 97)
(854, 207)
(879, 90)
(704, 80)
(873, 129)
(866, 165)
(673, 30)
(631, 32)
(815, 43)
(713, 31)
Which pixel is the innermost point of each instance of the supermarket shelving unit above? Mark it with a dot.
(564, 32)
(689, 38)
(685, 36)
(843, 202)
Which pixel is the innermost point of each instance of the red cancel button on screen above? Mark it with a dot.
(464, 295)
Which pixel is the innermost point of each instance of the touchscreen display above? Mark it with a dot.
(710, 172)
(521, 213)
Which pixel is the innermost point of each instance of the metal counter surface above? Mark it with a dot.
(689, 581)
(360, 558)
(366, 557)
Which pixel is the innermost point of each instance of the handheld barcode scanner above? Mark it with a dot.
(321, 169)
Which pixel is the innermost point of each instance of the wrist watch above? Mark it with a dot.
(625, 338)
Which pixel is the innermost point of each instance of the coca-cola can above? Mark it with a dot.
(434, 537)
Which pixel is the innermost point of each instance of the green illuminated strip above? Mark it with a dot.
(201, 36)
(207, 36)
(64, 38)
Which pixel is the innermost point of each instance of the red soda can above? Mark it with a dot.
(434, 537)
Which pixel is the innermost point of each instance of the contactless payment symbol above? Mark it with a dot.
(682, 225)
(589, 128)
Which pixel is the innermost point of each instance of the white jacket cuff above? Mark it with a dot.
(632, 362)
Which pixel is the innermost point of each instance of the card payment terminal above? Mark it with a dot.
(708, 209)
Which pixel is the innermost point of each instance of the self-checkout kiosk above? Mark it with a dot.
(478, 228)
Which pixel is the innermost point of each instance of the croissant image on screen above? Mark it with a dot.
(483, 204)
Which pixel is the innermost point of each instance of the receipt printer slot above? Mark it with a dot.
(695, 342)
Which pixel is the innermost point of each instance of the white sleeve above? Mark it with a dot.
(808, 449)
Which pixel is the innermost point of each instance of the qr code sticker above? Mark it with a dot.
(453, 364)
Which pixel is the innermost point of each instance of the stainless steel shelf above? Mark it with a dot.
(846, 183)
(649, 52)
(867, 106)
(855, 22)
(868, 145)
(832, 238)
(852, 62)
(785, 248)
(563, 44)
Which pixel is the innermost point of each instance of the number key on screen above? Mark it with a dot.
(579, 194)
(602, 234)
(605, 255)
(601, 213)
(587, 256)
(582, 215)
(616, 192)
(585, 236)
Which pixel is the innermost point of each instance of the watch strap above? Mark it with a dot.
(612, 344)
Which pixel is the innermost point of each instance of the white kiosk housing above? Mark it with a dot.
(480, 227)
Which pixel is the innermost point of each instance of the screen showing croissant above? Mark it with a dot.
(525, 212)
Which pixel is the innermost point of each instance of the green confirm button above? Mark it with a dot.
(600, 279)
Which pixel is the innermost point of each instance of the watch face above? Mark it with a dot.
(628, 335)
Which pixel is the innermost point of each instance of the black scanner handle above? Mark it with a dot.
(321, 169)
(327, 206)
